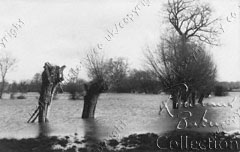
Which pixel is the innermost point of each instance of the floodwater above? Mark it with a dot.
(117, 115)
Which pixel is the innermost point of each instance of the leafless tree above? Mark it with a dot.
(177, 57)
(37, 78)
(7, 63)
(94, 64)
(110, 70)
(194, 67)
(115, 71)
(73, 74)
(192, 20)
(104, 73)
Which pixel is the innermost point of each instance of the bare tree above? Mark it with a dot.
(105, 73)
(73, 74)
(192, 20)
(175, 60)
(36, 82)
(7, 63)
(37, 78)
(194, 68)
(94, 63)
(95, 67)
(115, 71)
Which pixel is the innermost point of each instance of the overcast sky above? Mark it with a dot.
(61, 31)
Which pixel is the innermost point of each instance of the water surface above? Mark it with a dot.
(117, 115)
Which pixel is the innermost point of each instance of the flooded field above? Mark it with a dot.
(117, 115)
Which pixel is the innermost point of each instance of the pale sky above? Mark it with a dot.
(61, 31)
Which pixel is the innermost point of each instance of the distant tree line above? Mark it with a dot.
(229, 86)
(120, 79)
(123, 80)
(222, 88)
(138, 81)
(133, 81)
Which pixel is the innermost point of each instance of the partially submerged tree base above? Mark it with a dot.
(93, 90)
(51, 78)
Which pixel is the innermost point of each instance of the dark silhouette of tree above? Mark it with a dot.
(23, 88)
(177, 57)
(220, 90)
(75, 88)
(144, 81)
(105, 74)
(115, 72)
(95, 65)
(13, 89)
(93, 89)
(74, 85)
(35, 85)
(229, 86)
(7, 63)
(194, 67)
(192, 20)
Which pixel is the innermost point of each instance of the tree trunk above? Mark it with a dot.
(193, 98)
(46, 96)
(200, 100)
(51, 77)
(89, 107)
(175, 101)
(43, 114)
(45, 100)
(93, 90)
(2, 88)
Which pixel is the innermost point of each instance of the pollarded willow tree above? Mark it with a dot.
(104, 74)
(95, 65)
(181, 56)
(52, 76)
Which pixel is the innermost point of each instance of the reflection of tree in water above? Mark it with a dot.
(100, 121)
(44, 129)
(92, 132)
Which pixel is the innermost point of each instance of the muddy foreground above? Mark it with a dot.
(172, 141)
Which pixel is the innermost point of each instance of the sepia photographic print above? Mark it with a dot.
(120, 76)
